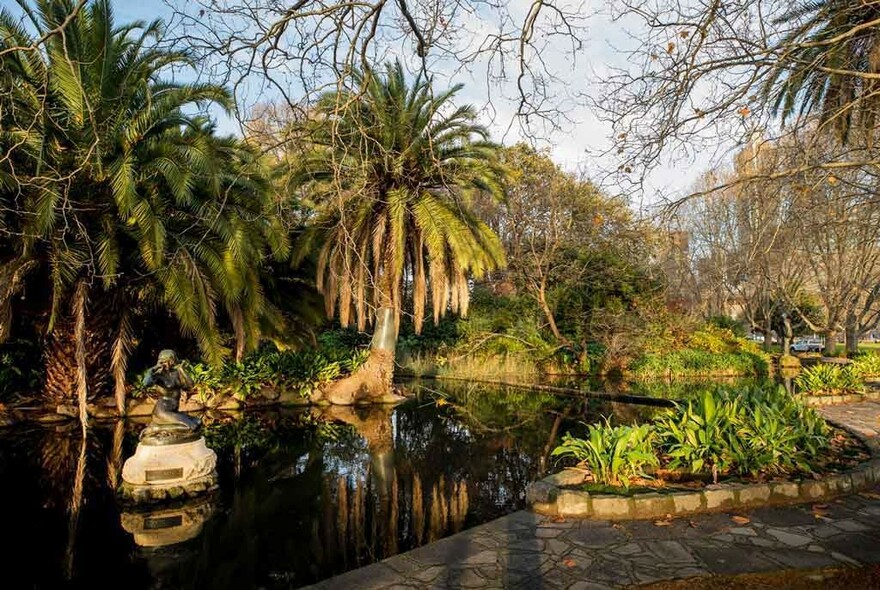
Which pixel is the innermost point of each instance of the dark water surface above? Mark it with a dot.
(305, 494)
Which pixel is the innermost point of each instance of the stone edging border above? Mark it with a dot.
(830, 400)
(547, 496)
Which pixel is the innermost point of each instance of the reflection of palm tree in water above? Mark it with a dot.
(369, 512)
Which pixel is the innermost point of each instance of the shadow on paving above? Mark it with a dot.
(524, 550)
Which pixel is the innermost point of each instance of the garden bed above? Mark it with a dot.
(851, 463)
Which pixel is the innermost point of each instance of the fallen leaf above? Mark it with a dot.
(740, 519)
(569, 562)
(667, 521)
(670, 48)
(692, 524)
(745, 112)
(832, 180)
(684, 34)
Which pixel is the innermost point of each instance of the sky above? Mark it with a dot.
(577, 145)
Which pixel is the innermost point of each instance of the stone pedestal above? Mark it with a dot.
(162, 472)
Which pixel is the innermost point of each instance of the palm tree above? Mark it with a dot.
(125, 205)
(828, 65)
(393, 169)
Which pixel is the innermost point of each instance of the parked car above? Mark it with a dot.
(807, 345)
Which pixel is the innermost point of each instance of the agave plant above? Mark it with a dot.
(701, 435)
(614, 454)
(828, 379)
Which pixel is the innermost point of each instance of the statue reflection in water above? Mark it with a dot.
(168, 525)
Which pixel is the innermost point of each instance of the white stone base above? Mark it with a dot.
(168, 465)
(170, 472)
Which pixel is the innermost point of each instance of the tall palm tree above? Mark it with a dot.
(124, 203)
(828, 65)
(393, 168)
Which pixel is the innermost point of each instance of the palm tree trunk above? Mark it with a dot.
(121, 351)
(63, 366)
(80, 300)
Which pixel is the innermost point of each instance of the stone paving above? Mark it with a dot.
(526, 550)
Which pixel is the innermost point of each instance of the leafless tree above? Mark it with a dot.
(292, 51)
(709, 75)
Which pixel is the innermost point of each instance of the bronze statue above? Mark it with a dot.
(169, 426)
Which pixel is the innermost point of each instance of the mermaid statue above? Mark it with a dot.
(169, 426)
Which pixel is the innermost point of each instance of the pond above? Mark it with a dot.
(305, 494)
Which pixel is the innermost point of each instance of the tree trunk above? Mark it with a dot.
(786, 334)
(768, 335)
(61, 354)
(830, 343)
(372, 381)
(80, 301)
(851, 335)
(551, 321)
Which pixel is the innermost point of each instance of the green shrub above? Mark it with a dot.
(866, 365)
(701, 436)
(781, 432)
(614, 454)
(828, 379)
(726, 322)
(751, 431)
(689, 362)
(301, 371)
(713, 339)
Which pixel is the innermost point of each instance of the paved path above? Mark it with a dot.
(525, 550)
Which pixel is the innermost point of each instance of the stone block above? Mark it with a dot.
(813, 489)
(839, 483)
(652, 505)
(573, 503)
(142, 407)
(290, 397)
(548, 508)
(757, 494)
(229, 403)
(874, 471)
(612, 507)
(541, 492)
(567, 477)
(687, 502)
(721, 498)
(784, 490)
(859, 477)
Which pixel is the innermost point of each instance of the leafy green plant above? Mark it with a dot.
(689, 363)
(701, 435)
(757, 430)
(781, 432)
(828, 379)
(207, 380)
(866, 365)
(614, 454)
